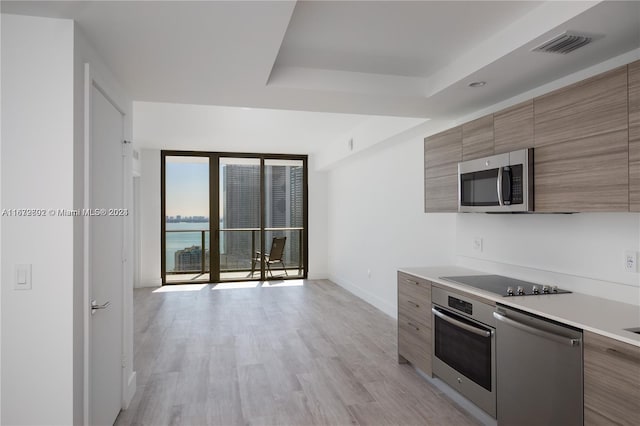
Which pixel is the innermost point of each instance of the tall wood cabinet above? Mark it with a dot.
(634, 136)
(581, 146)
(442, 152)
(414, 321)
(611, 381)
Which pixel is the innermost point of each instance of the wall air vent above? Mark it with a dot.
(565, 43)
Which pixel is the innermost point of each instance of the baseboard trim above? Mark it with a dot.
(130, 390)
(365, 295)
(318, 276)
(149, 282)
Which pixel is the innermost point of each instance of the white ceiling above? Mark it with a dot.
(234, 129)
(412, 39)
(411, 59)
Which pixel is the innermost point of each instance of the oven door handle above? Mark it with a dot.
(470, 328)
(536, 331)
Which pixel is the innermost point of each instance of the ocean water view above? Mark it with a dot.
(180, 240)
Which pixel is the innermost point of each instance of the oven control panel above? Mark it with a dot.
(460, 305)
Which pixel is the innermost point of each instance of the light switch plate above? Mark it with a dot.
(23, 277)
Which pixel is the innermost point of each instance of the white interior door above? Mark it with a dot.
(106, 235)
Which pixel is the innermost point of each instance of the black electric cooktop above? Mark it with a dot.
(506, 286)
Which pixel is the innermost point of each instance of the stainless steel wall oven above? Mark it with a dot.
(464, 346)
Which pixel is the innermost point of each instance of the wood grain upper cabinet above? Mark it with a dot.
(414, 321)
(634, 136)
(513, 128)
(611, 381)
(477, 138)
(442, 153)
(581, 139)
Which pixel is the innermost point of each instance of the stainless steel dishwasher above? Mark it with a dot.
(538, 371)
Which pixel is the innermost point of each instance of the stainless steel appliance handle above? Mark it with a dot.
(464, 326)
(499, 186)
(536, 331)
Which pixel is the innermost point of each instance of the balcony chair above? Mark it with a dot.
(275, 256)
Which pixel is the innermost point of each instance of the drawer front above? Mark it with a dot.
(414, 287)
(414, 343)
(414, 301)
(611, 381)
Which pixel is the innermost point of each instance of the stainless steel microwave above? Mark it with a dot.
(500, 183)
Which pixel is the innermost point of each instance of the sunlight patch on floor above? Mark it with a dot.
(232, 286)
(180, 287)
(288, 283)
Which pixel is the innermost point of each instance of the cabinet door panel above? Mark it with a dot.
(444, 149)
(413, 344)
(634, 136)
(441, 194)
(477, 138)
(513, 128)
(611, 381)
(442, 152)
(586, 175)
(581, 139)
(594, 106)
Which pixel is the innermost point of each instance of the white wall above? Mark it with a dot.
(1, 206)
(318, 222)
(583, 252)
(376, 222)
(150, 220)
(37, 172)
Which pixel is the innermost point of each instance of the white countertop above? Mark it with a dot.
(595, 314)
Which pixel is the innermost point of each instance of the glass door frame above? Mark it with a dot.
(214, 210)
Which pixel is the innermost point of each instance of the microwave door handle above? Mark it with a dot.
(506, 195)
(499, 186)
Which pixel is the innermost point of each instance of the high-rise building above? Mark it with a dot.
(190, 259)
(241, 210)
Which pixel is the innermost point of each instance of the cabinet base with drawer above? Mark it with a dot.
(414, 322)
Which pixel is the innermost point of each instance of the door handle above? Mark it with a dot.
(95, 306)
(536, 331)
(460, 324)
(499, 187)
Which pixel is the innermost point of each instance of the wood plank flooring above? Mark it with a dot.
(303, 353)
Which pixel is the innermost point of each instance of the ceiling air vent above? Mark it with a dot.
(565, 43)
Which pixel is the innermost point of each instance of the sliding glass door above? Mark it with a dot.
(260, 231)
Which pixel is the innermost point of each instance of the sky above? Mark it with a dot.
(187, 189)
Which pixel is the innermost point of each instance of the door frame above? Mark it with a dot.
(91, 80)
(214, 229)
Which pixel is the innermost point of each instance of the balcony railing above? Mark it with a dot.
(237, 249)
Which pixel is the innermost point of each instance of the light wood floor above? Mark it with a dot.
(306, 353)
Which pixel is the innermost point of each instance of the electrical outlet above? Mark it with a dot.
(477, 244)
(631, 261)
(369, 273)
